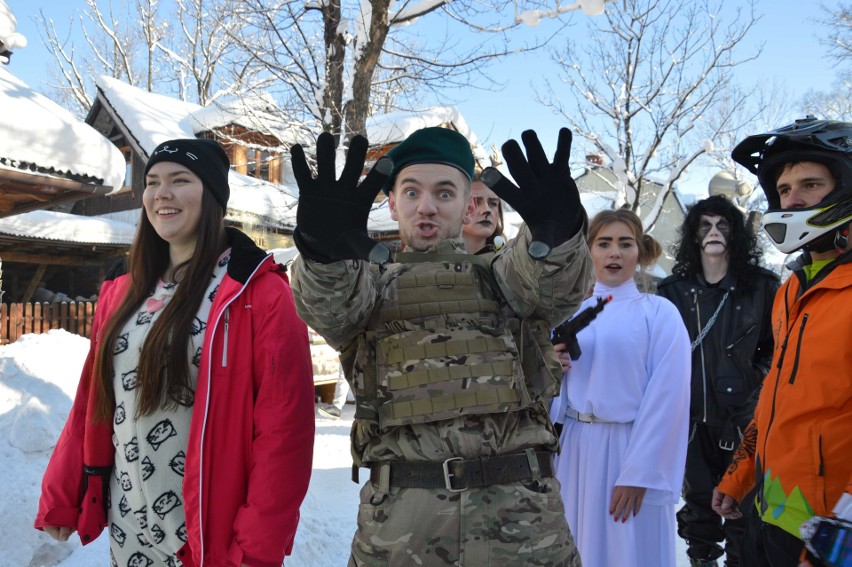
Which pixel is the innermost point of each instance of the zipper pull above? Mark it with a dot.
(225, 346)
(783, 352)
(740, 338)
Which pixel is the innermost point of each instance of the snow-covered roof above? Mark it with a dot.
(52, 225)
(38, 135)
(9, 36)
(396, 126)
(254, 112)
(150, 119)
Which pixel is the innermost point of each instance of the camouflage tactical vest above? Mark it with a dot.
(442, 343)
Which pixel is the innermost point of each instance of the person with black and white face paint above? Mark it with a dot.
(725, 299)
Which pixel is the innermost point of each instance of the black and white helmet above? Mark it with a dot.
(828, 142)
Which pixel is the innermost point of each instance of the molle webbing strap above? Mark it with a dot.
(422, 257)
(433, 308)
(469, 398)
(399, 355)
(447, 373)
(366, 391)
(437, 293)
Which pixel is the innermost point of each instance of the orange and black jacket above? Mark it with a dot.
(798, 447)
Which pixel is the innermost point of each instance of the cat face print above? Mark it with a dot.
(147, 468)
(139, 559)
(128, 380)
(131, 450)
(123, 506)
(177, 463)
(121, 344)
(124, 482)
(160, 433)
(143, 318)
(198, 327)
(120, 414)
(118, 535)
(141, 516)
(165, 503)
(158, 534)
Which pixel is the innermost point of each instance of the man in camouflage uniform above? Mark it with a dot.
(447, 353)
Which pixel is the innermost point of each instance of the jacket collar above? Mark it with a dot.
(245, 255)
(798, 264)
(728, 282)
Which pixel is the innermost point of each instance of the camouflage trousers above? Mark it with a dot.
(506, 525)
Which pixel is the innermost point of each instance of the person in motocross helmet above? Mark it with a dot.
(828, 145)
(797, 450)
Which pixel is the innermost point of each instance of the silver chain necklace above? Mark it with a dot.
(709, 324)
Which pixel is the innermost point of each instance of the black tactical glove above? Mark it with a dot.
(548, 199)
(331, 221)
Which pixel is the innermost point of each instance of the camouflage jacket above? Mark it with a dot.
(339, 300)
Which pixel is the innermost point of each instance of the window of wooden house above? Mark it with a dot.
(259, 163)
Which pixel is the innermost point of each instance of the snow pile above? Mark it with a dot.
(53, 225)
(38, 379)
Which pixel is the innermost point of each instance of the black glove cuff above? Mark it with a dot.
(305, 249)
(554, 233)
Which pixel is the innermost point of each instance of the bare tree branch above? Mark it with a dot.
(197, 61)
(838, 20)
(344, 61)
(657, 70)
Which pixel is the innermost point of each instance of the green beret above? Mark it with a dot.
(431, 145)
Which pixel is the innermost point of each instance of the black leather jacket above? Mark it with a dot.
(729, 364)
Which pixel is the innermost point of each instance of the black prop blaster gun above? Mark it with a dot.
(566, 333)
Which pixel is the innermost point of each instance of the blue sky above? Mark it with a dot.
(792, 55)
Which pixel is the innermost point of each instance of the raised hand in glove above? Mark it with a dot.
(548, 199)
(331, 221)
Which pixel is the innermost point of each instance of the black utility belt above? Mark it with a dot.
(457, 474)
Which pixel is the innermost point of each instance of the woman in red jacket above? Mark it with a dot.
(191, 434)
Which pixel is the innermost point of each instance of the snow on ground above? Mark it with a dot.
(38, 378)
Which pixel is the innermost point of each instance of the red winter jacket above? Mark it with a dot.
(249, 456)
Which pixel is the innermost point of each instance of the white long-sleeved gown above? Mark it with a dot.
(634, 370)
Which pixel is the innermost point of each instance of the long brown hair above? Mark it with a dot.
(163, 370)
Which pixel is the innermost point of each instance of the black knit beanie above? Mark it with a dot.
(205, 158)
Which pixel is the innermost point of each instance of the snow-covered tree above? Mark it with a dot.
(836, 103)
(741, 111)
(655, 71)
(328, 64)
(336, 62)
(838, 20)
(178, 48)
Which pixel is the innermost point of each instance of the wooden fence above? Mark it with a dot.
(18, 319)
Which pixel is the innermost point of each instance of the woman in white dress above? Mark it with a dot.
(624, 407)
